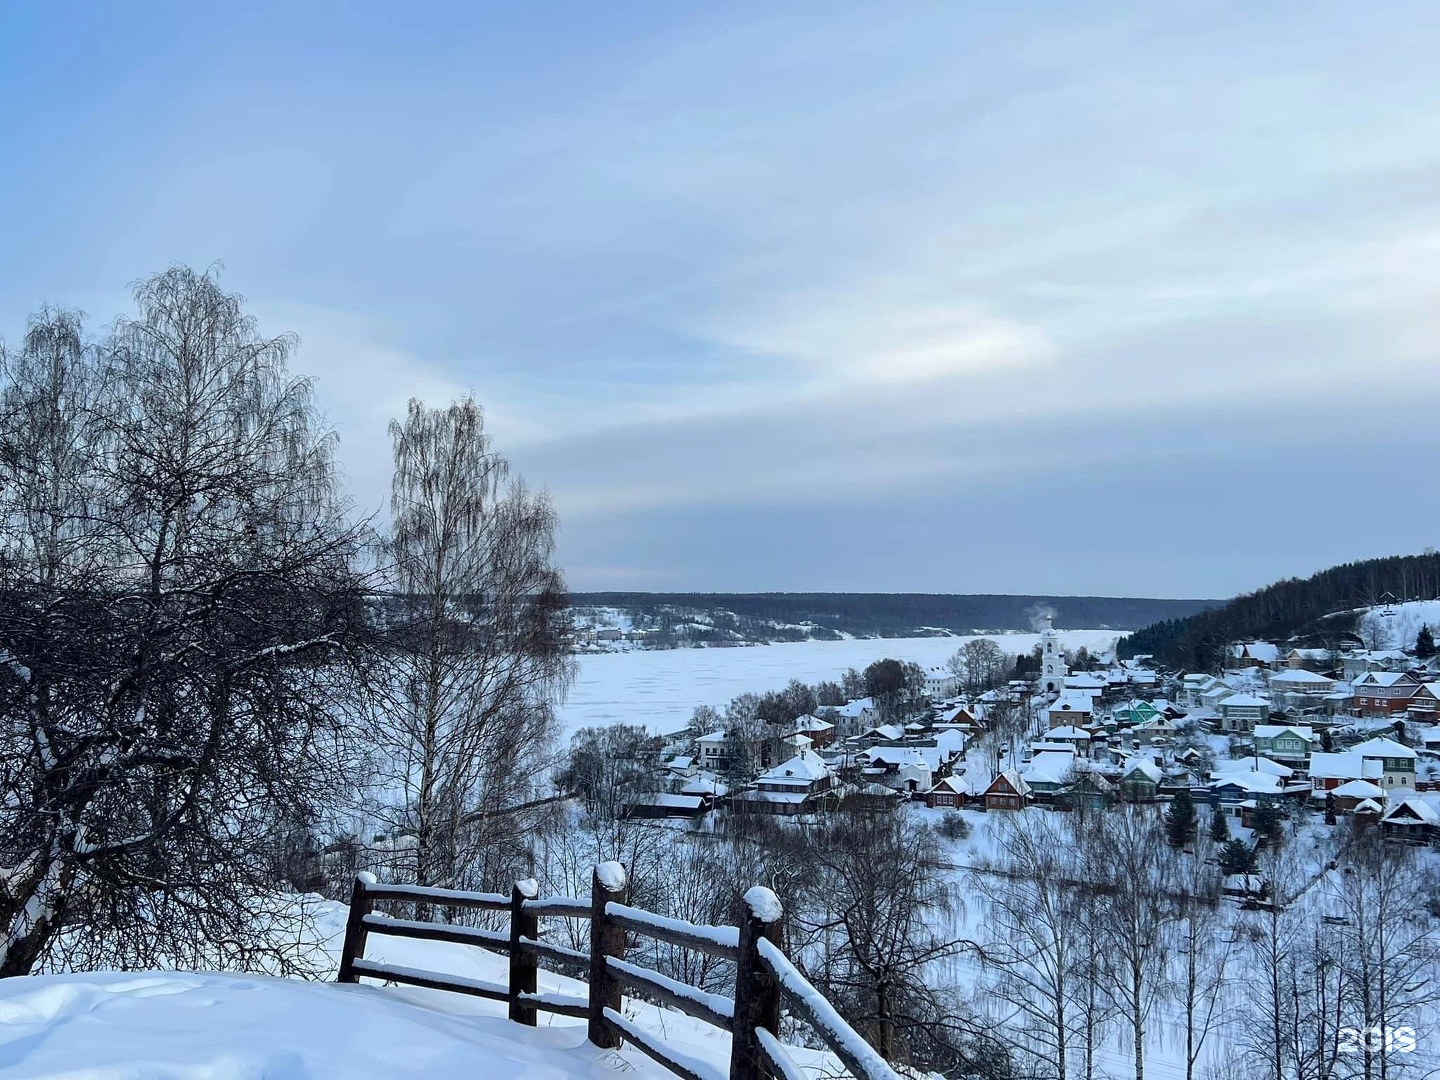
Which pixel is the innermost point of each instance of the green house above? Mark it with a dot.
(1289, 745)
(1141, 781)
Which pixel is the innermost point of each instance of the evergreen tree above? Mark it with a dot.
(1330, 808)
(1180, 820)
(1267, 821)
(1424, 643)
(1236, 858)
(1219, 826)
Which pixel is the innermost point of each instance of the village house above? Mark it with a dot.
(1048, 773)
(1320, 660)
(792, 787)
(1289, 745)
(855, 716)
(1383, 693)
(904, 768)
(820, 732)
(1299, 688)
(1242, 712)
(1412, 819)
(949, 793)
(1384, 762)
(1194, 687)
(714, 751)
(1077, 739)
(941, 683)
(1424, 706)
(1261, 654)
(1355, 664)
(1071, 710)
(1140, 782)
(1090, 791)
(1007, 792)
(1352, 793)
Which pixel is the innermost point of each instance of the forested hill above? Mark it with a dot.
(901, 614)
(1316, 611)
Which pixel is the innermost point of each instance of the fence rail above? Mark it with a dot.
(763, 974)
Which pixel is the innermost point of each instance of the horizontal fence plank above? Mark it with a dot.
(563, 1004)
(780, 1059)
(859, 1056)
(556, 955)
(431, 981)
(721, 941)
(568, 906)
(427, 931)
(423, 894)
(681, 1065)
(712, 1008)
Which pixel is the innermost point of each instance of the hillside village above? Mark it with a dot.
(1346, 734)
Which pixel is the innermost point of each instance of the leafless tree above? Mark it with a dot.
(176, 592)
(877, 915)
(478, 657)
(1123, 857)
(1031, 940)
(1204, 943)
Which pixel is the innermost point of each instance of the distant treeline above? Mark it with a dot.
(905, 614)
(1294, 609)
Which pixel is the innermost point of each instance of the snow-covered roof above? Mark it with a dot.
(1344, 766)
(856, 708)
(712, 737)
(1255, 763)
(1359, 789)
(1248, 701)
(887, 731)
(1381, 678)
(1051, 767)
(1067, 732)
(1301, 677)
(1272, 731)
(1249, 781)
(806, 765)
(1382, 747)
(1145, 767)
(1414, 807)
(1014, 779)
(809, 722)
(1266, 652)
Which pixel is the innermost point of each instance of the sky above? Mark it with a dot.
(1043, 298)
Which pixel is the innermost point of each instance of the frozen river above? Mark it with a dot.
(660, 688)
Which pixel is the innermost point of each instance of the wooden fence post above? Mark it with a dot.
(361, 904)
(523, 964)
(757, 989)
(608, 883)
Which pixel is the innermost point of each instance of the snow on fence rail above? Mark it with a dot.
(763, 974)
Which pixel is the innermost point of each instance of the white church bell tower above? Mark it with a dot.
(1052, 660)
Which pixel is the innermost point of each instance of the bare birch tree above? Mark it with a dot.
(479, 657)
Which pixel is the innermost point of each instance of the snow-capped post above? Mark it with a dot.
(523, 963)
(361, 904)
(757, 989)
(610, 883)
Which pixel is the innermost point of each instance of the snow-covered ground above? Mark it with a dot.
(660, 688)
(1394, 626)
(185, 1026)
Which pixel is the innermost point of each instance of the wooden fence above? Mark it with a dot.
(763, 974)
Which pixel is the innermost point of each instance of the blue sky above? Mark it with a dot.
(982, 298)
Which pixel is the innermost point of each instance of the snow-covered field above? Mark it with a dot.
(660, 688)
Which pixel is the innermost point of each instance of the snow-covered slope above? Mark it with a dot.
(183, 1026)
(118, 1025)
(1395, 626)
